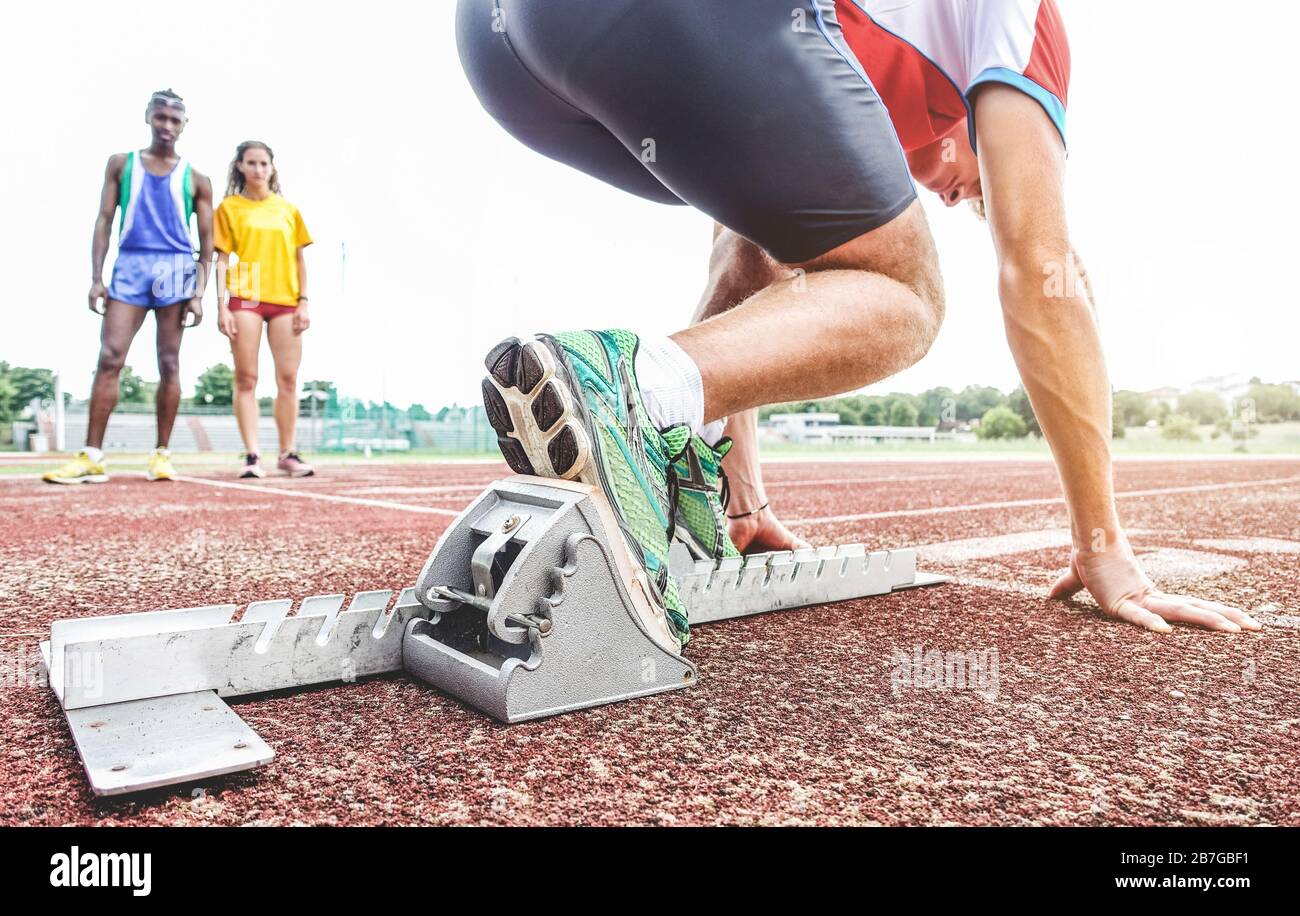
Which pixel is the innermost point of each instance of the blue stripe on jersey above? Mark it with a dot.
(156, 226)
(1051, 104)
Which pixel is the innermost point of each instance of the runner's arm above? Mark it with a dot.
(108, 199)
(302, 315)
(1046, 305)
(1049, 321)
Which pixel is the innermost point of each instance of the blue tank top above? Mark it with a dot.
(155, 208)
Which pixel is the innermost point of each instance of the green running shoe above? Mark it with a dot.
(701, 499)
(568, 406)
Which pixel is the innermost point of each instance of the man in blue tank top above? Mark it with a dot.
(158, 193)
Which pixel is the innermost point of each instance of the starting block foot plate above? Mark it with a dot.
(162, 741)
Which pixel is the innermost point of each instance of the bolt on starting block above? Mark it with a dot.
(530, 605)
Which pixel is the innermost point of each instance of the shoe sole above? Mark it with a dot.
(541, 429)
(152, 476)
(68, 481)
(311, 473)
(245, 475)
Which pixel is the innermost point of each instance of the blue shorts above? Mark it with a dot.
(153, 279)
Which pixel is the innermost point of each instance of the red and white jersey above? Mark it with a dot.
(925, 56)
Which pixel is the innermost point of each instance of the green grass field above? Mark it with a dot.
(1273, 439)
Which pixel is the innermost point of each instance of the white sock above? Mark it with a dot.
(712, 432)
(93, 454)
(671, 386)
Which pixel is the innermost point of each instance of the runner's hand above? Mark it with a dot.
(193, 307)
(226, 322)
(761, 532)
(301, 319)
(98, 298)
(1121, 587)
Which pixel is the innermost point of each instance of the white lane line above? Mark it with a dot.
(1175, 566)
(396, 490)
(1250, 545)
(1046, 501)
(952, 553)
(323, 497)
(898, 478)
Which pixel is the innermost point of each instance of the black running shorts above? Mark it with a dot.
(753, 111)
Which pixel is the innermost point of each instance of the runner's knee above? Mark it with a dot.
(902, 250)
(169, 368)
(111, 358)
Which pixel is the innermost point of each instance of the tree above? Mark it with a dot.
(1001, 422)
(975, 401)
(131, 388)
(1132, 408)
(418, 412)
(9, 407)
(1205, 407)
(1018, 401)
(1272, 403)
(1179, 427)
(938, 405)
(30, 384)
(216, 386)
(903, 413)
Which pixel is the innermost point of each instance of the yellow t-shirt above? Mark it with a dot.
(265, 236)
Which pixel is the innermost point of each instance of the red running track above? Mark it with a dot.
(801, 717)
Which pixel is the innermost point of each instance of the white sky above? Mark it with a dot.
(1181, 193)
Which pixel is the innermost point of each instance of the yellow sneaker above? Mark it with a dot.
(79, 470)
(160, 465)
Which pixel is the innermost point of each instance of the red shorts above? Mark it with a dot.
(267, 310)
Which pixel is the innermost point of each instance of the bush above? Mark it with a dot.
(1205, 407)
(903, 413)
(1001, 422)
(1179, 427)
(216, 386)
(1019, 402)
(1133, 408)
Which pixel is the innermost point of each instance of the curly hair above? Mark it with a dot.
(235, 180)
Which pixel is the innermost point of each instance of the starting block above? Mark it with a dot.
(530, 605)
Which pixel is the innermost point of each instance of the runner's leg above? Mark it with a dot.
(245, 348)
(286, 351)
(171, 325)
(120, 324)
(737, 270)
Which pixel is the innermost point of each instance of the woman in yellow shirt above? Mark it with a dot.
(267, 284)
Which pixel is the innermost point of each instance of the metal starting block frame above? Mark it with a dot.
(530, 605)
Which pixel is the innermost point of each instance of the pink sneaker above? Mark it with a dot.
(294, 466)
(252, 467)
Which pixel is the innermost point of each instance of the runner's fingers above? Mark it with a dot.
(1177, 609)
(1136, 614)
(1234, 614)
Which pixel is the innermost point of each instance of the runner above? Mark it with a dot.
(761, 115)
(158, 193)
(268, 285)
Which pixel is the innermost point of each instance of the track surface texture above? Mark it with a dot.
(813, 716)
